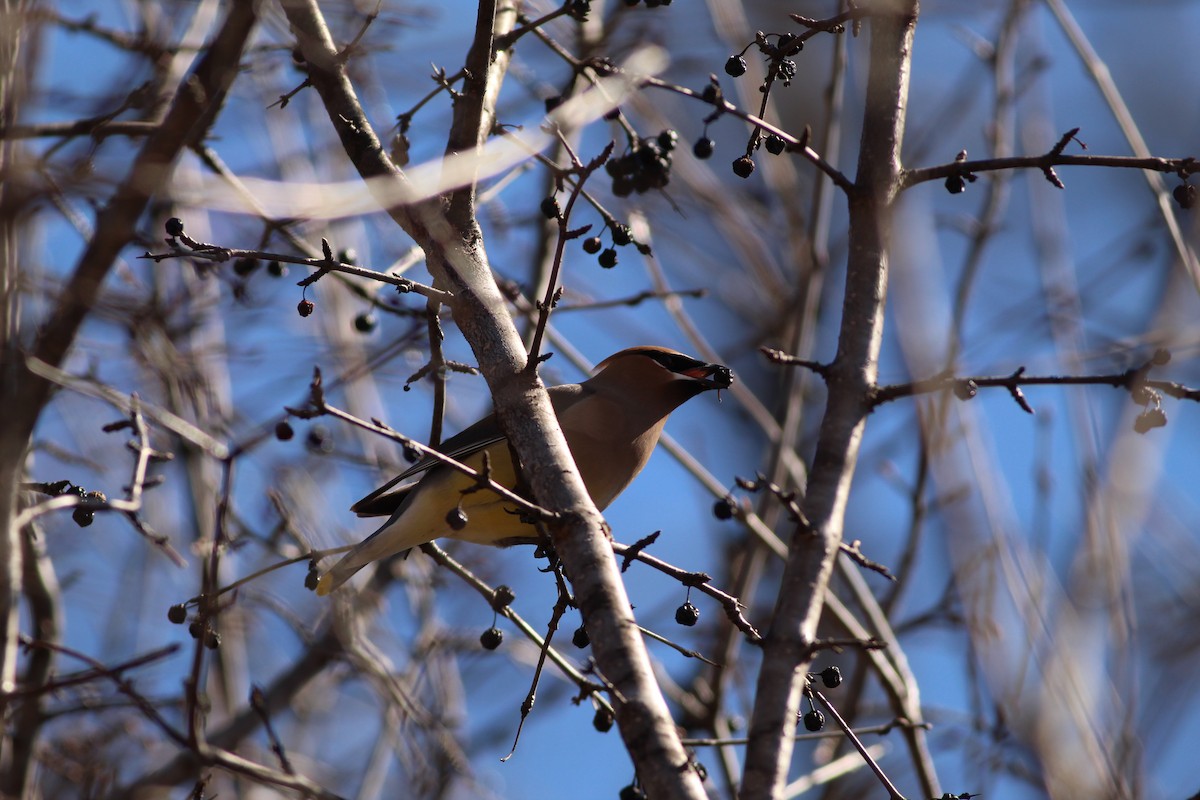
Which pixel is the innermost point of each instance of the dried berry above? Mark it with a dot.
(703, 148)
(608, 258)
(1185, 195)
(365, 322)
(580, 638)
(622, 235)
(632, 791)
(775, 144)
(491, 638)
(687, 614)
(195, 629)
(83, 516)
(276, 269)
(244, 266)
(305, 308)
(831, 677)
(735, 66)
(956, 184)
(814, 720)
(550, 209)
(284, 430)
(177, 614)
(723, 509)
(592, 245)
(319, 440)
(667, 139)
(503, 596)
(578, 9)
(174, 227)
(743, 167)
(603, 720)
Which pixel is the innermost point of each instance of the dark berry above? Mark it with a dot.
(83, 516)
(667, 140)
(276, 269)
(603, 720)
(245, 265)
(831, 677)
(955, 184)
(775, 145)
(365, 322)
(319, 440)
(174, 226)
(578, 9)
(348, 256)
(580, 638)
(305, 308)
(284, 431)
(592, 245)
(491, 638)
(723, 508)
(550, 209)
(814, 720)
(703, 148)
(195, 629)
(735, 66)
(687, 614)
(608, 258)
(1185, 195)
(743, 167)
(622, 235)
(503, 596)
(177, 614)
(632, 792)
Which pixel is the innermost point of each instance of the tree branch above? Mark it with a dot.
(789, 643)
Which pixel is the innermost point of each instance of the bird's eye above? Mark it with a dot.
(677, 362)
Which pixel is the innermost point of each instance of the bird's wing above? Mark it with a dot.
(486, 432)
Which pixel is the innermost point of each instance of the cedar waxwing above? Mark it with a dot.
(611, 422)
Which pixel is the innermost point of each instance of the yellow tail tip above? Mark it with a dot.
(325, 585)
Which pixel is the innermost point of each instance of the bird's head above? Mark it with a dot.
(656, 370)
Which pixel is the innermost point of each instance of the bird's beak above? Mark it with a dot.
(711, 376)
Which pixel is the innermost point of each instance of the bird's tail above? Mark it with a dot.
(380, 544)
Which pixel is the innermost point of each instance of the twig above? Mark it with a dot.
(695, 580)
(861, 748)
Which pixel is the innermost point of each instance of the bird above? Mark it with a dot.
(612, 422)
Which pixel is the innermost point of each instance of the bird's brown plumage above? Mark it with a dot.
(611, 422)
